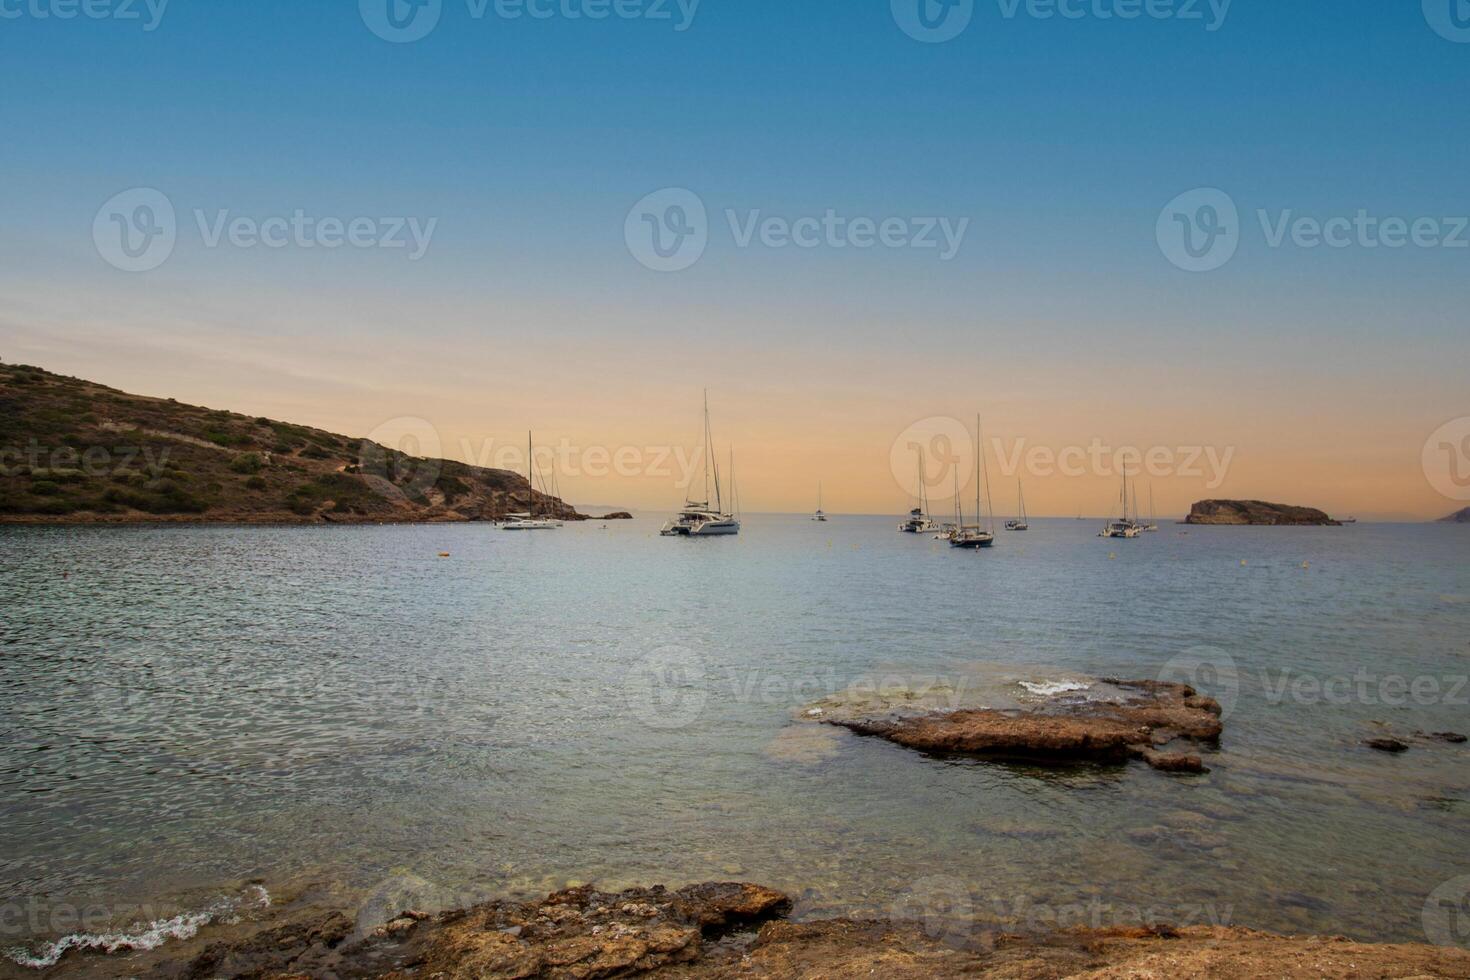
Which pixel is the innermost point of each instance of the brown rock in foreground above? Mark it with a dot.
(1146, 717)
(1256, 512)
(584, 934)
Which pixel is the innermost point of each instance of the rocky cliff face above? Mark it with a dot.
(1458, 517)
(73, 451)
(1255, 512)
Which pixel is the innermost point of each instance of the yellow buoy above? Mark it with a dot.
(1242, 563)
(443, 554)
(1306, 564)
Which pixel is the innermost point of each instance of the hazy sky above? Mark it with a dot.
(993, 223)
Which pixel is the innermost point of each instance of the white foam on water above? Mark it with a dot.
(186, 925)
(1048, 688)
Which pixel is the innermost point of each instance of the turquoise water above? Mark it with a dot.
(187, 707)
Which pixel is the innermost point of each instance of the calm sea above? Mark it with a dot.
(187, 708)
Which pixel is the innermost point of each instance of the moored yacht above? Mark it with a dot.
(1125, 526)
(819, 515)
(917, 523)
(529, 521)
(972, 535)
(918, 520)
(698, 519)
(1020, 523)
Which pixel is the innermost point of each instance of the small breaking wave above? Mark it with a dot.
(185, 925)
(1049, 688)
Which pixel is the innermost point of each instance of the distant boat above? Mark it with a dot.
(918, 521)
(529, 521)
(698, 519)
(1349, 520)
(819, 515)
(1021, 523)
(1125, 526)
(972, 536)
(1152, 524)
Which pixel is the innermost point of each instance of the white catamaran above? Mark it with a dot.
(918, 520)
(529, 521)
(1125, 526)
(974, 535)
(698, 519)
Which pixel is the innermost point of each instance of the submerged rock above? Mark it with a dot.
(1117, 720)
(1385, 744)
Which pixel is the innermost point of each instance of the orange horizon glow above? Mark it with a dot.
(623, 436)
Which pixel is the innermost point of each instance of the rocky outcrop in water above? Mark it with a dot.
(1458, 517)
(1138, 720)
(1258, 512)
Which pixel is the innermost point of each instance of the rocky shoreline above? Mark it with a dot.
(727, 930)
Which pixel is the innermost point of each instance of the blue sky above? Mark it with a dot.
(529, 140)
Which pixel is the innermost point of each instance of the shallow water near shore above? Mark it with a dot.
(188, 708)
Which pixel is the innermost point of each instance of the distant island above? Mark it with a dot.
(1256, 512)
(1458, 517)
(72, 451)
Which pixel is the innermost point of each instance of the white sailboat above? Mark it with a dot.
(529, 521)
(1020, 523)
(1153, 524)
(1125, 526)
(698, 519)
(972, 535)
(819, 515)
(918, 520)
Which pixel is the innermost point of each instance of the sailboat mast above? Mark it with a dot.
(979, 458)
(530, 478)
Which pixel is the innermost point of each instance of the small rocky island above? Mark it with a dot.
(1458, 517)
(1257, 512)
(1109, 721)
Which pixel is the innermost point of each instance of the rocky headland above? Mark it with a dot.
(76, 452)
(1461, 516)
(1257, 512)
